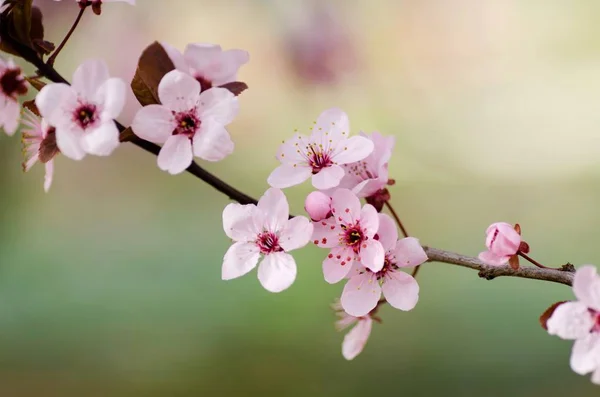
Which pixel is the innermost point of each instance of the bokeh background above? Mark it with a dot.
(110, 284)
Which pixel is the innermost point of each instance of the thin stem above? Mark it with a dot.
(528, 258)
(69, 33)
(397, 218)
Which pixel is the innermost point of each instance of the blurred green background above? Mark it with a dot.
(110, 284)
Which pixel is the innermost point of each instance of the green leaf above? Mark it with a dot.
(153, 64)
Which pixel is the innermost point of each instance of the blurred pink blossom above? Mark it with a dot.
(12, 84)
(356, 339)
(39, 144)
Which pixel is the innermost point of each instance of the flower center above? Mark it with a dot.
(317, 158)
(187, 123)
(48, 147)
(268, 242)
(12, 83)
(85, 115)
(352, 236)
(596, 315)
(361, 170)
(204, 83)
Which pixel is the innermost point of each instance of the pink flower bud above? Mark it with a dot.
(318, 206)
(502, 242)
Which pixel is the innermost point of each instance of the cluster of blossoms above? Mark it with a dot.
(188, 99)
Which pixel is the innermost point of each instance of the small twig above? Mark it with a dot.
(531, 260)
(490, 272)
(69, 33)
(397, 218)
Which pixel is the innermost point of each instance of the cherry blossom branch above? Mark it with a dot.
(67, 37)
(564, 275)
(46, 70)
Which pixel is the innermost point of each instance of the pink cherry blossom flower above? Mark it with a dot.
(264, 229)
(318, 206)
(320, 155)
(368, 176)
(350, 235)
(208, 63)
(356, 339)
(580, 321)
(39, 144)
(188, 123)
(363, 290)
(502, 242)
(83, 114)
(12, 84)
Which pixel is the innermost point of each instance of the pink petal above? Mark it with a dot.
(345, 206)
(387, 232)
(111, 95)
(502, 239)
(287, 175)
(176, 57)
(333, 270)
(369, 220)
(277, 271)
(238, 222)
(229, 63)
(596, 377)
(289, 152)
(328, 177)
(178, 91)
(69, 143)
(353, 149)
(570, 320)
(318, 205)
(101, 141)
(276, 211)
(176, 154)
(219, 104)
(154, 123)
(326, 233)
(201, 56)
(361, 294)
(489, 258)
(586, 286)
(10, 119)
(239, 259)
(372, 255)
(49, 175)
(212, 142)
(355, 340)
(409, 252)
(55, 101)
(585, 354)
(332, 124)
(296, 234)
(400, 290)
(89, 76)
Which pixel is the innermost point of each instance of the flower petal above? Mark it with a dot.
(361, 294)
(570, 320)
(154, 123)
(49, 175)
(409, 252)
(219, 104)
(176, 57)
(176, 154)
(287, 175)
(296, 233)
(89, 76)
(489, 258)
(275, 209)
(239, 259)
(401, 290)
(200, 56)
(328, 177)
(337, 265)
(345, 206)
(502, 239)
(372, 255)
(54, 102)
(277, 271)
(101, 141)
(353, 149)
(387, 232)
(369, 220)
(178, 91)
(326, 233)
(111, 95)
(332, 124)
(355, 340)
(238, 222)
(585, 356)
(69, 143)
(586, 286)
(212, 142)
